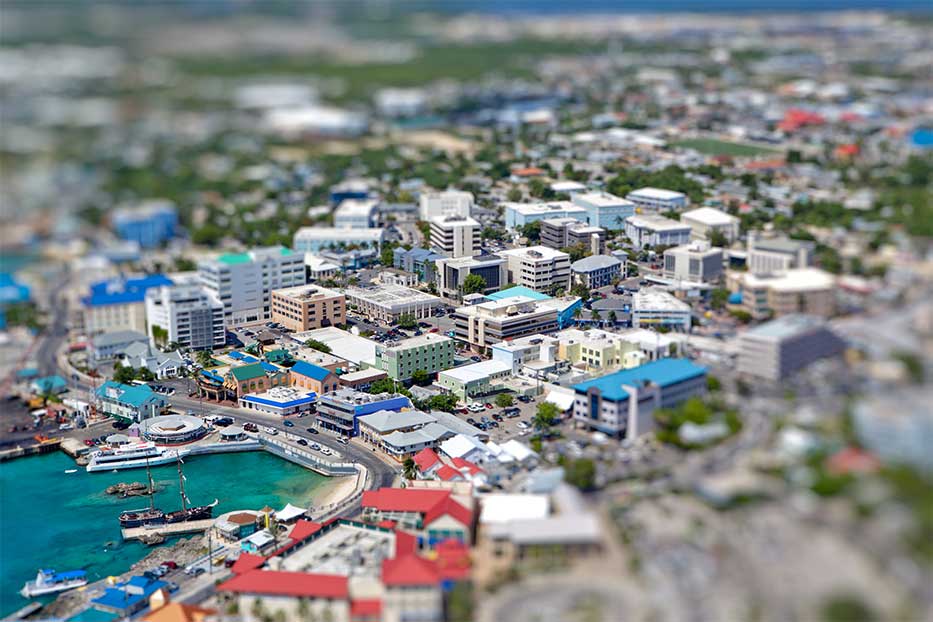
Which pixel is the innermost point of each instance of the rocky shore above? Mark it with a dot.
(132, 489)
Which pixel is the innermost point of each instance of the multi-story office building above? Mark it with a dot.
(315, 239)
(149, 224)
(806, 290)
(430, 352)
(188, 314)
(596, 270)
(244, 281)
(418, 261)
(707, 220)
(696, 262)
(622, 403)
(563, 232)
(338, 411)
(782, 347)
(387, 303)
(654, 231)
(597, 349)
(655, 307)
(455, 236)
(776, 255)
(491, 322)
(451, 274)
(521, 214)
(356, 214)
(657, 199)
(539, 268)
(305, 307)
(446, 203)
(604, 210)
(119, 304)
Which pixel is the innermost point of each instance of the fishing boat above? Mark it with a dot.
(153, 516)
(49, 582)
(130, 456)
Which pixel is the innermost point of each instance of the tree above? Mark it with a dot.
(741, 315)
(409, 469)
(514, 195)
(421, 377)
(718, 238)
(203, 358)
(595, 316)
(719, 297)
(577, 251)
(612, 318)
(581, 290)
(387, 254)
(122, 374)
(387, 385)
(847, 608)
(447, 403)
(545, 416)
(581, 473)
(159, 335)
(504, 400)
(407, 321)
(532, 231)
(144, 374)
(474, 284)
(320, 346)
(713, 384)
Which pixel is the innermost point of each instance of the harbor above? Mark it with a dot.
(167, 531)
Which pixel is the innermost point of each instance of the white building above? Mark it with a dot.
(776, 255)
(651, 230)
(539, 268)
(696, 262)
(190, 316)
(243, 282)
(596, 271)
(658, 199)
(780, 348)
(521, 214)
(386, 303)
(605, 210)
(455, 236)
(705, 220)
(655, 307)
(356, 214)
(446, 203)
(491, 322)
(451, 273)
(314, 239)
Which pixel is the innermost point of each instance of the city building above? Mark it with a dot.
(253, 378)
(539, 268)
(805, 290)
(119, 304)
(185, 314)
(651, 230)
(401, 435)
(150, 224)
(564, 232)
(604, 210)
(780, 348)
(521, 214)
(896, 425)
(486, 324)
(387, 303)
(357, 189)
(433, 515)
(129, 403)
(313, 378)
(318, 268)
(596, 271)
(597, 349)
(107, 346)
(446, 203)
(654, 307)
(362, 379)
(343, 345)
(339, 411)
(125, 598)
(304, 307)
(430, 352)
(776, 255)
(622, 403)
(469, 381)
(280, 401)
(356, 214)
(316, 239)
(696, 262)
(162, 364)
(392, 276)
(419, 261)
(455, 236)
(706, 221)
(657, 199)
(452, 273)
(243, 282)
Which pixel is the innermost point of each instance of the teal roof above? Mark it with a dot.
(134, 395)
(518, 290)
(664, 372)
(234, 258)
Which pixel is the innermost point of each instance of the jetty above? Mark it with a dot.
(170, 530)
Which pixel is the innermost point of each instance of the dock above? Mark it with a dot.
(174, 529)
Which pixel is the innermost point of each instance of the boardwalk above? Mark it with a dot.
(175, 529)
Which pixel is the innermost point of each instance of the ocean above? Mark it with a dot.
(50, 519)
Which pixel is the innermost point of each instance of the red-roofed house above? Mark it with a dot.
(449, 474)
(298, 595)
(412, 584)
(246, 562)
(434, 515)
(452, 560)
(427, 461)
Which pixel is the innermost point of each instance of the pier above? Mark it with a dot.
(174, 529)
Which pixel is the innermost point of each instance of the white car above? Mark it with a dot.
(271, 431)
(522, 425)
(326, 451)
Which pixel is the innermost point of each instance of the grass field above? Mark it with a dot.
(711, 146)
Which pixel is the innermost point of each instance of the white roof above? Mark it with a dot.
(517, 450)
(656, 223)
(799, 279)
(553, 207)
(289, 512)
(389, 420)
(339, 234)
(462, 445)
(343, 344)
(507, 507)
(653, 299)
(552, 530)
(567, 186)
(709, 216)
(602, 199)
(476, 371)
(535, 253)
(560, 397)
(356, 207)
(656, 193)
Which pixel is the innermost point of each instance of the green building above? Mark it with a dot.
(430, 352)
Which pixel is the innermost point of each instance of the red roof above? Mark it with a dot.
(852, 460)
(462, 464)
(246, 562)
(386, 524)
(448, 473)
(796, 118)
(530, 171)
(453, 559)
(409, 570)
(431, 503)
(847, 151)
(405, 543)
(425, 459)
(278, 583)
(366, 609)
(304, 528)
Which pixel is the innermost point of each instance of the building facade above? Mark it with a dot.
(696, 262)
(150, 224)
(489, 323)
(596, 271)
(387, 303)
(539, 268)
(652, 307)
(429, 352)
(656, 231)
(356, 214)
(779, 348)
(306, 307)
(119, 304)
(657, 199)
(521, 214)
(446, 203)
(777, 255)
(604, 210)
(706, 221)
(455, 236)
(316, 239)
(187, 315)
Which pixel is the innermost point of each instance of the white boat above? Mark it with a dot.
(131, 456)
(49, 582)
(71, 470)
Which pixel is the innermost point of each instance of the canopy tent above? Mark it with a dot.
(289, 513)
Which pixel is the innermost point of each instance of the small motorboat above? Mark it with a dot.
(49, 582)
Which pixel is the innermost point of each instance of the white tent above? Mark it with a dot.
(289, 513)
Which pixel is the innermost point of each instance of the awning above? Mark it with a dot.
(289, 512)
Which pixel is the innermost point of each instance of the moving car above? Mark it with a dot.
(289, 424)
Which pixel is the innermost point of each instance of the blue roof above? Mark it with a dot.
(69, 575)
(50, 383)
(27, 372)
(211, 375)
(307, 399)
(120, 599)
(518, 290)
(11, 291)
(735, 298)
(123, 291)
(134, 395)
(310, 370)
(236, 356)
(663, 372)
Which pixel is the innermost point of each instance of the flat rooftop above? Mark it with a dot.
(390, 295)
(710, 216)
(346, 550)
(338, 234)
(536, 253)
(552, 207)
(786, 326)
(800, 279)
(603, 199)
(307, 292)
(651, 299)
(656, 223)
(658, 194)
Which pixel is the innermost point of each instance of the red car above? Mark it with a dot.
(88, 442)
(488, 406)
(434, 330)
(170, 565)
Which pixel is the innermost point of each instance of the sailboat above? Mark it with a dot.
(154, 516)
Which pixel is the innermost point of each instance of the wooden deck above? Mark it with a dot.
(175, 529)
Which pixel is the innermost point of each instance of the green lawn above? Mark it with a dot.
(711, 146)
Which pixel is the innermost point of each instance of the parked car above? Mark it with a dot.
(523, 425)
(315, 447)
(223, 421)
(343, 440)
(270, 431)
(195, 572)
(512, 414)
(471, 420)
(250, 427)
(302, 442)
(88, 442)
(289, 424)
(171, 565)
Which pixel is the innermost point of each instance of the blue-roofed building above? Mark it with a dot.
(49, 385)
(128, 597)
(339, 411)
(281, 401)
(130, 403)
(119, 304)
(622, 403)
(11, 291)
(313, 377)
(149, 225)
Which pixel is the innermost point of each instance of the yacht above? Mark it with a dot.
(49, 582)
(130, 456)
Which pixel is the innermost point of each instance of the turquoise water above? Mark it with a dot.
(64, 521)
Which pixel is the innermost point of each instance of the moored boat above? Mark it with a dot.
(48, 582)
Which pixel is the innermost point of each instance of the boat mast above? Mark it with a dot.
(181, 482)
(151, 487)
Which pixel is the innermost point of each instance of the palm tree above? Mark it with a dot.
(612, 318)
(594, 315)
(409, 469)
